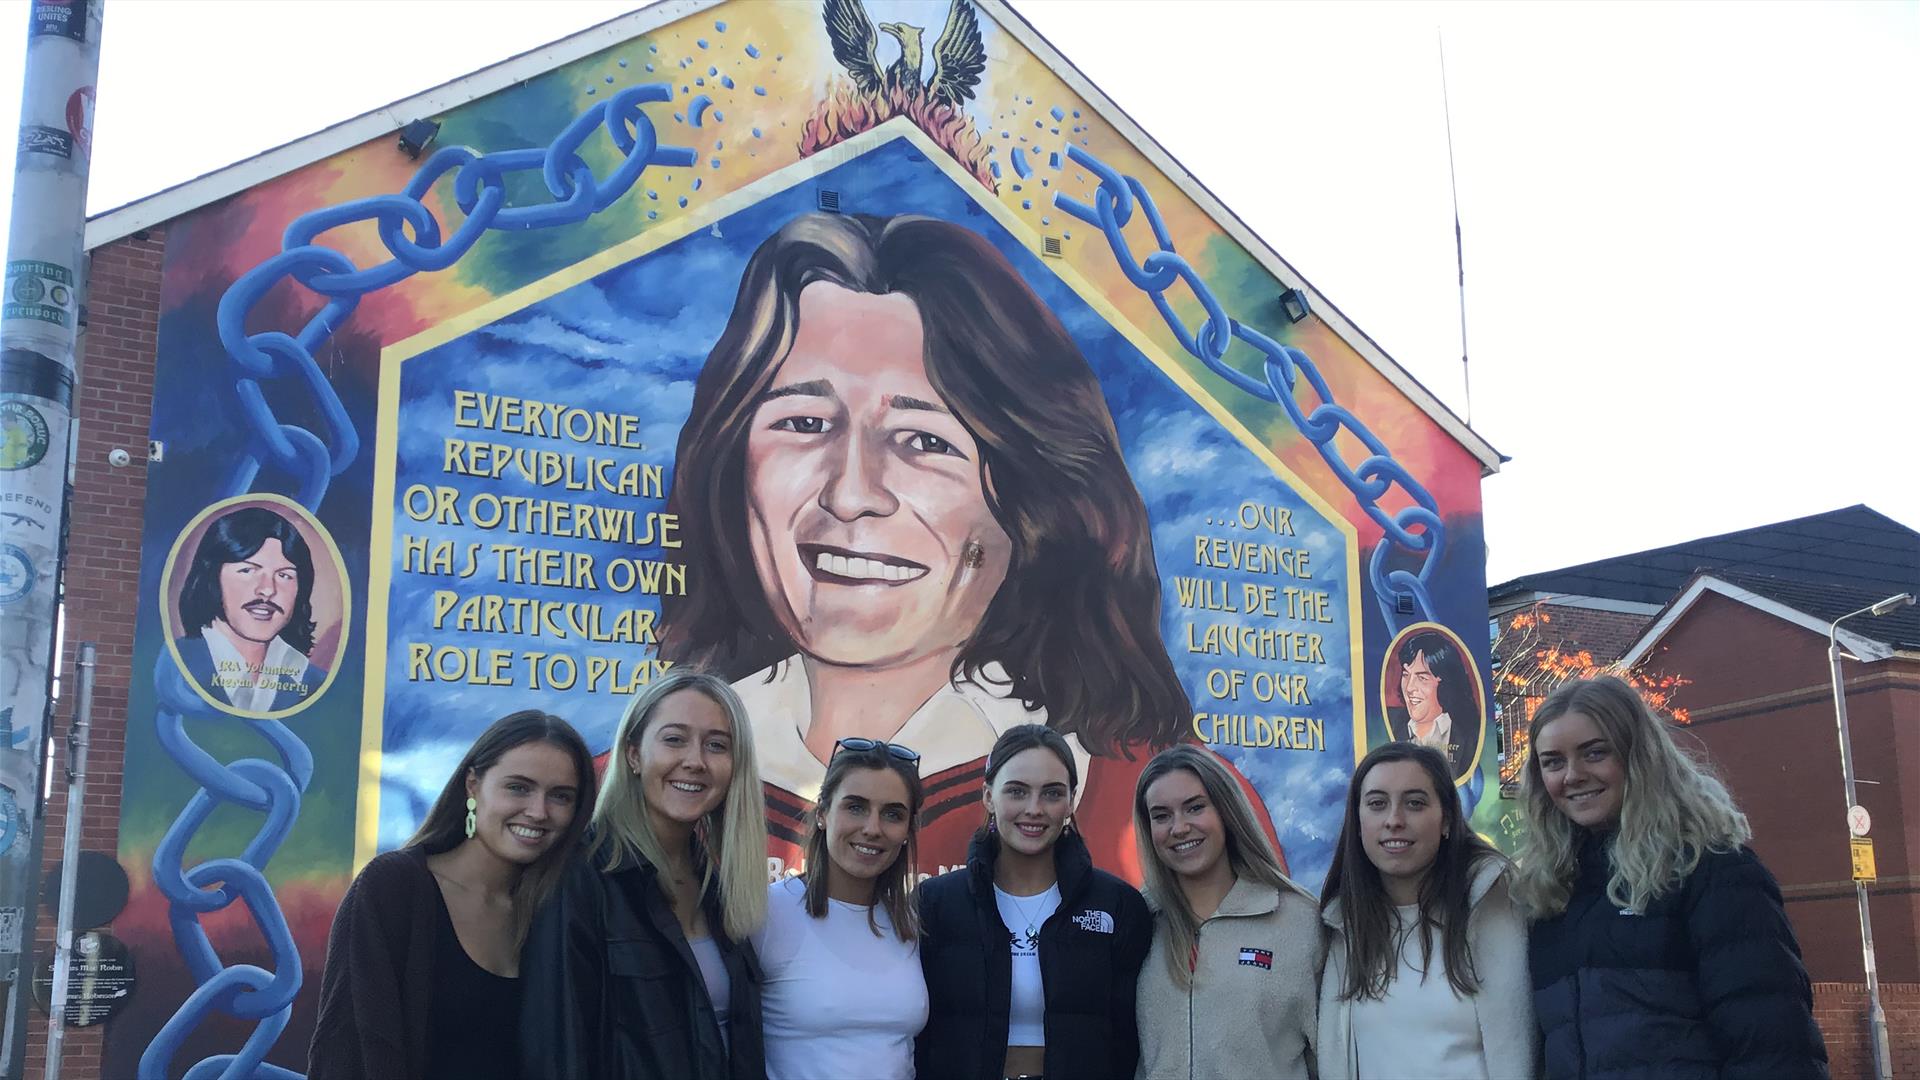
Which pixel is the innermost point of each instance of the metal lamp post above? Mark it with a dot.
(1876, 1016)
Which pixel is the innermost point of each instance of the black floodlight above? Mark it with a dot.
(417, 136)
(1294, 303)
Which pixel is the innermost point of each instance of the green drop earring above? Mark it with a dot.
(471, 806)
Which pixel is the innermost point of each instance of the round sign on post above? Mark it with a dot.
(99, 894)
(1859, 822)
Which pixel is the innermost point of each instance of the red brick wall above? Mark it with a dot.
(1841, 1009)
(1762, 705)
(1606, 634)
(113, 408)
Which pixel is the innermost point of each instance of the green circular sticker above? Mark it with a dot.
(28, 289)
(23, 436)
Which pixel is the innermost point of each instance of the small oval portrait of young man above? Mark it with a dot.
(255, 605)
(1431, 693)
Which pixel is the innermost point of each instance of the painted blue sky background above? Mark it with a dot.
(633, 339)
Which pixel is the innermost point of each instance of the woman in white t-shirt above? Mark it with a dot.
(843, 993)
(1426, 971)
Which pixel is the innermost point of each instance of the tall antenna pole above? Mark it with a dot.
(1459, 251)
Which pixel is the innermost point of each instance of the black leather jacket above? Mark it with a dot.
(610, 990)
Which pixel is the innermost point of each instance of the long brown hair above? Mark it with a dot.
(1050, 466)
(1367, 920)
(1249, 851)
(893, 889)
(445, 826)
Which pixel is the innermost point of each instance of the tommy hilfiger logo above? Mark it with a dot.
(1094, 922)
(1260, 958)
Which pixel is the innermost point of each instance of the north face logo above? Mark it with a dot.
(1094, 922)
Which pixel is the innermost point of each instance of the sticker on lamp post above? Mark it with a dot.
(1863, 859)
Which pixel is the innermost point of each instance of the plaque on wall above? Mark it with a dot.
(98, 984)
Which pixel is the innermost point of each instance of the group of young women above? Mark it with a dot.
(513, 937)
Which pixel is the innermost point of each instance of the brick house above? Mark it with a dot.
(1739, 624)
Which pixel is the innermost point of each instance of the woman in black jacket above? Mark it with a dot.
(1031, 955)
(1663, 948)
(640, 967)
(423, 962)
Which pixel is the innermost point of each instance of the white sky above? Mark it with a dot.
(1693, 238)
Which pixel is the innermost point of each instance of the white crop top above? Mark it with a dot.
(1024, 915)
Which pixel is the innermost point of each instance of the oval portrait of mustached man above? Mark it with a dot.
(1431, 694)
(255, 602)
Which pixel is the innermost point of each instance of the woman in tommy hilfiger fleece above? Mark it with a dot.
(1228, 986)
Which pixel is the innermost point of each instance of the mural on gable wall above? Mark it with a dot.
(827, 366)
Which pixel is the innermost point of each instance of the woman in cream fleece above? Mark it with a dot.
(1227, 988)
(1426, 971)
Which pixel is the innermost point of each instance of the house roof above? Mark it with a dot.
(183, 198)
(1899, 629)
(1857, 550)
(1812, 605)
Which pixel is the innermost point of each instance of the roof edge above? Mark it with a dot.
(228, 180)
(1863, 647)
(1526, 581)
(1015, 24)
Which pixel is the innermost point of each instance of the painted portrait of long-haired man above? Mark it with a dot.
(1438, 705)
(906, 517)
(247, 611)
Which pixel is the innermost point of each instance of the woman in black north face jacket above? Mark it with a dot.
(1663, 948)
(1031, 954)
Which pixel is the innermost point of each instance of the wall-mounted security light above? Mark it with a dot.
(1294, 303)
(417, 136)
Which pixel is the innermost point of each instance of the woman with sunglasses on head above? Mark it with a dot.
(1227, 988)
(641, 967)
(1662, 947)
(846, 931)
(1031, 954)
(423, 963)
(1426, 971)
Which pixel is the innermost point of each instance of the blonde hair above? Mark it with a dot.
(733, 835)
(1673, 810)
(1248, 851)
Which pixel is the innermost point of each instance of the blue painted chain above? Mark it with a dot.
(1415, 528)
(310, 462)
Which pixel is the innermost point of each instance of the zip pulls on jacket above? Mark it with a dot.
(1193, 975)
(1193, 972)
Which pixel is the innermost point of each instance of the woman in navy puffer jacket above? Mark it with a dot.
(1663, 948)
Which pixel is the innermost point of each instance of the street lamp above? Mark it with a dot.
(1876, 1016)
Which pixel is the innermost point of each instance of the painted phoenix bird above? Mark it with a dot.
(958, 55)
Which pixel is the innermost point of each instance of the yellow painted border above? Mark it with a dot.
(386, 442)
(1472, 666)
(339, 568)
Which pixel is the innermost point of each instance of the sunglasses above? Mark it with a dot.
(861, 746)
